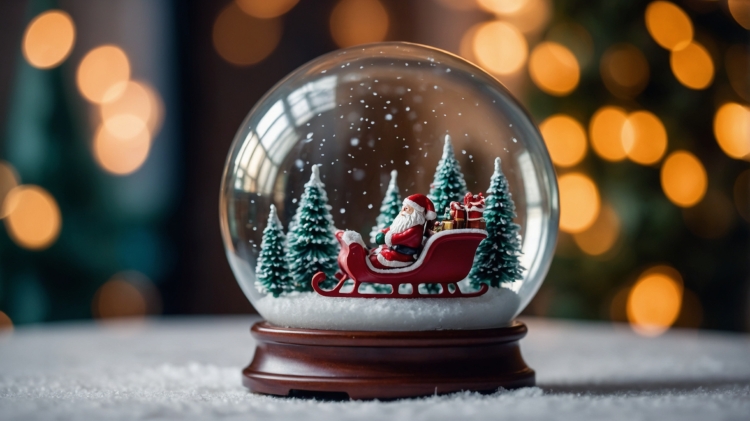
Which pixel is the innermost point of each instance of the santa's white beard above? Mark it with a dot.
(405, 221)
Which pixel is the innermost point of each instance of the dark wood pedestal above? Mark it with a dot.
(385, 365)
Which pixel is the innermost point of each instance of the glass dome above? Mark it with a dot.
(323, 145)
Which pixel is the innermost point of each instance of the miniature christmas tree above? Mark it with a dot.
(272, 270)
(389, 209)
(448, 185)
(312, 246)
(496, 260)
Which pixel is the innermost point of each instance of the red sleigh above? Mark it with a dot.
(445, 260)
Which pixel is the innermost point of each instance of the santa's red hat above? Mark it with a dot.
(421, 203)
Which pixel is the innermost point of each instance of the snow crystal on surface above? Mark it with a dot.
(496, 308)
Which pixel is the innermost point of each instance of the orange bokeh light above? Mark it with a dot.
(8, 181)
(500, 47)
(669, 25)
(683, 179)
(624, 70)
(243, 40)
(644, 138)
(579, 202)
(502, 7)
(655, 300)
(121, 156)
(266, 9)
(565, 138)
(692, 66)
(138, 99)
(732, 130)
(605, 131)
(33, 218)
(602, 235)
(740, 11)
(355, 22)
(101, 69)
(128, 294)
(48, 39)
(554, 68)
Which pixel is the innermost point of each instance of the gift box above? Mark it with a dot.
(474, 206)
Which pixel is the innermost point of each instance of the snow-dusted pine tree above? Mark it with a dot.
(272, 270)
(448, 185)
(312, 246)
(496, 260)
(389, 209)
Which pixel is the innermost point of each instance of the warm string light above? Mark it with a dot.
(565, 138)
(355, 22)
(244, 40)
(683, 179)
(500, 47)
(654, 302)
(100, 70)
(644, 138)
(605, 131)
(692, 66)
(579, 202)
(554, 68)
(49, 39)
(669, 25)
(121, 156)
(33, 218)
(732, 130)
(740, 11)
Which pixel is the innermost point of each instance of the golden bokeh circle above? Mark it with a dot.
(49, 39)
(244, 40)
(579, 202)
(33, 218)
(565, 138)
(554, 68)
(100, 70)
(740, 11)
(644, 138)
(121, 156)
(605, 132)
(732, 130)
(654, 301)
(137, 99)
(669, 25)
(683, 179)
(266, 9)
(500, 47)
(355, 22)
(692, 66)
(602, 235)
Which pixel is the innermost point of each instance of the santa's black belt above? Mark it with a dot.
(409, 251)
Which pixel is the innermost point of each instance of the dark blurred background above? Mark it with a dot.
(116, 118)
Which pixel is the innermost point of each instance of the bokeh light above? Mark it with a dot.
(579, 202)
(48, 39)
(605, 131)
(33, 218)
(266, 9)
(740, 11)
(126, 294)
(355, 22)
(124, 126)
(713, 217)
(732, 130)
(502, 7)
(683, 179)
(737, 65)
(554, 68)
(655, 300)
(137, 99)
(531, 18)
(742, 194)
(6, 324)
(624, 70)
(644, 138)
(565, 138)
(243, 40)
(500, 47)
(8, 181)
(669, 25)
(602, 235)
(100, 70)
(121, 156)
(692, 66)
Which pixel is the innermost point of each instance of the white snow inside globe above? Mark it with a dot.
(389, 187)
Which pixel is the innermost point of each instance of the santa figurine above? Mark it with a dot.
(401, 243)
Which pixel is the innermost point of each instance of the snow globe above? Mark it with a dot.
(389, 210)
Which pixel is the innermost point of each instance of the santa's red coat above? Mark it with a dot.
(387, 258)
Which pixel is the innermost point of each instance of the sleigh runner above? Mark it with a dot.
(446, 259)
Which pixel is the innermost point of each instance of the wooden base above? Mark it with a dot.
(385, 365)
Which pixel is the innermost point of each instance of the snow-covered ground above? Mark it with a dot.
(495, 308)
